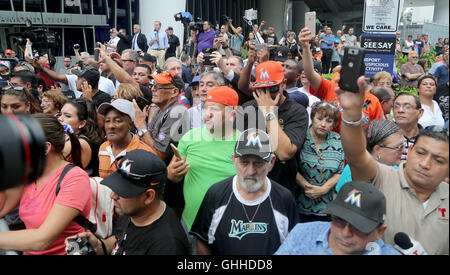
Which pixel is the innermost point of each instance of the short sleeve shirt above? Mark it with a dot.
(405, 212)
(223, 224)
(331, 155)
(36, 204)
(412, 69)
(442, 74)
(165, 125)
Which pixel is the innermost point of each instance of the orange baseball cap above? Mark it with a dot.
(412, 52)
(224, 95)
(9, 51)
(167, 77)
(268, 74)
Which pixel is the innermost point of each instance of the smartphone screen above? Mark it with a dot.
(142, 102)
(310, 23)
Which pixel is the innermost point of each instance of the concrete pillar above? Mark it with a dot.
(274, 13)
(164, 11)
(298, 15)
(441, 15)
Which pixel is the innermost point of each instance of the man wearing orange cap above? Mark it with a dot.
(10, 53)
(284, 120)
(206, 151)
(410, 72)
(166, 118)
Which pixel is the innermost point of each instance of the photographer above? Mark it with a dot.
(146, 225)
(124, 42)
(206, 38)
(113, 42)
(236, 39)
(48, 217)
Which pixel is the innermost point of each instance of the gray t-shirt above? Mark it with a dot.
(350, 40)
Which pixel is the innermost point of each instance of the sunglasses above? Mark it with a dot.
(13, 87)
(137, 177)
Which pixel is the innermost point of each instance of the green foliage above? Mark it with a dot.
(407, 89)
(327, 76)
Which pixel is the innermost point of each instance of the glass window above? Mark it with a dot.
(18, 5)
(111, 13)
(72, 9)
(35, 5)
(99, 7)
(86, 6)
(89, 40)
(73, 36)
(54, 6)
(5, 5)
(122, 16)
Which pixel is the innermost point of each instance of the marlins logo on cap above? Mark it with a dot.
(354, 198)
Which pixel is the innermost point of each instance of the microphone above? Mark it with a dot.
(407, 245)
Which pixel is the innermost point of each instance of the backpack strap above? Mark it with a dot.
(80, 220)
(63, 174)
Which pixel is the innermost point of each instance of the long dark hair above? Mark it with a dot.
(86, 111)
(54, 133)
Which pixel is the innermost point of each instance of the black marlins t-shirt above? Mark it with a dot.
(230, 225)
(165, 236)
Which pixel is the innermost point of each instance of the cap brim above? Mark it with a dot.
(103, 108)
(160, 80)
(123, 187)
(258, 85)
(359, 222)
(250, 152)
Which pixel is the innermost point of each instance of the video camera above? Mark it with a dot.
(227, 18)
(40, 37)
(188, 21)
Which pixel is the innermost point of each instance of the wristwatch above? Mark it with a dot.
(141, 133)
(270, 116)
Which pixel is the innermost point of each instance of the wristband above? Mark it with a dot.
(353, 123)
(103, 246)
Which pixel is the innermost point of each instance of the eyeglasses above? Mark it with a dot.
(127, 60)
(133, 176)
(340, 223)
(407, 107)
(47, 101)
(274, 89)
(398, 149)
(244, 162)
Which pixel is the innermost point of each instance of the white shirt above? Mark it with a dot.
(312, 99)
(104, 85)
(114, 42)
(431, 118)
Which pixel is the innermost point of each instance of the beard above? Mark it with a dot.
(252, 184)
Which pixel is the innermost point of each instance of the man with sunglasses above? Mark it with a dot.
(357, 224)
(246, 214)
(411, 71)
(146, 226)
(416, 194)
(284, 120)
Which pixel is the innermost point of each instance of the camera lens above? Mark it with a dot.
(22, 150)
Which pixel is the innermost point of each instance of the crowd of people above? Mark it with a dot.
(231, 144)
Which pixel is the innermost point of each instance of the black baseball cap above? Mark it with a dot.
(149, 58)
(137, 172)
(91, 74)
(360, 204)
(254, 142)
(281, 54)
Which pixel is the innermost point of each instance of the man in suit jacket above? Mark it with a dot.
(139, 42)
(125, 41)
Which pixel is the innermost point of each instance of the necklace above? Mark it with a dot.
(251, 226)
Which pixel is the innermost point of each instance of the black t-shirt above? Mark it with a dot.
(270, 40)
(441, 97)
(101, 97)
(222, 223)
(165, 236)
(174, 42)
(293, 119)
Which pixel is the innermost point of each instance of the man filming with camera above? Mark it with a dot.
(206, 38)
(146, 226)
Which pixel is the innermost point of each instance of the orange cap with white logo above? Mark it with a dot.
(268, 74)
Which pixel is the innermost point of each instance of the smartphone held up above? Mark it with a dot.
(353, 67)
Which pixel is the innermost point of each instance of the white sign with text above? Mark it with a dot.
(381, 16)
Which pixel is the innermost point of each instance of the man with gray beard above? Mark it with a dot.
(247, 214)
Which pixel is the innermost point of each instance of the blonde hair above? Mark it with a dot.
(128, 91)
(57, 97)
(381, 75)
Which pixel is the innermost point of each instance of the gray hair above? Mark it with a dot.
(217, 76)
(170, 61)
(133, 54)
